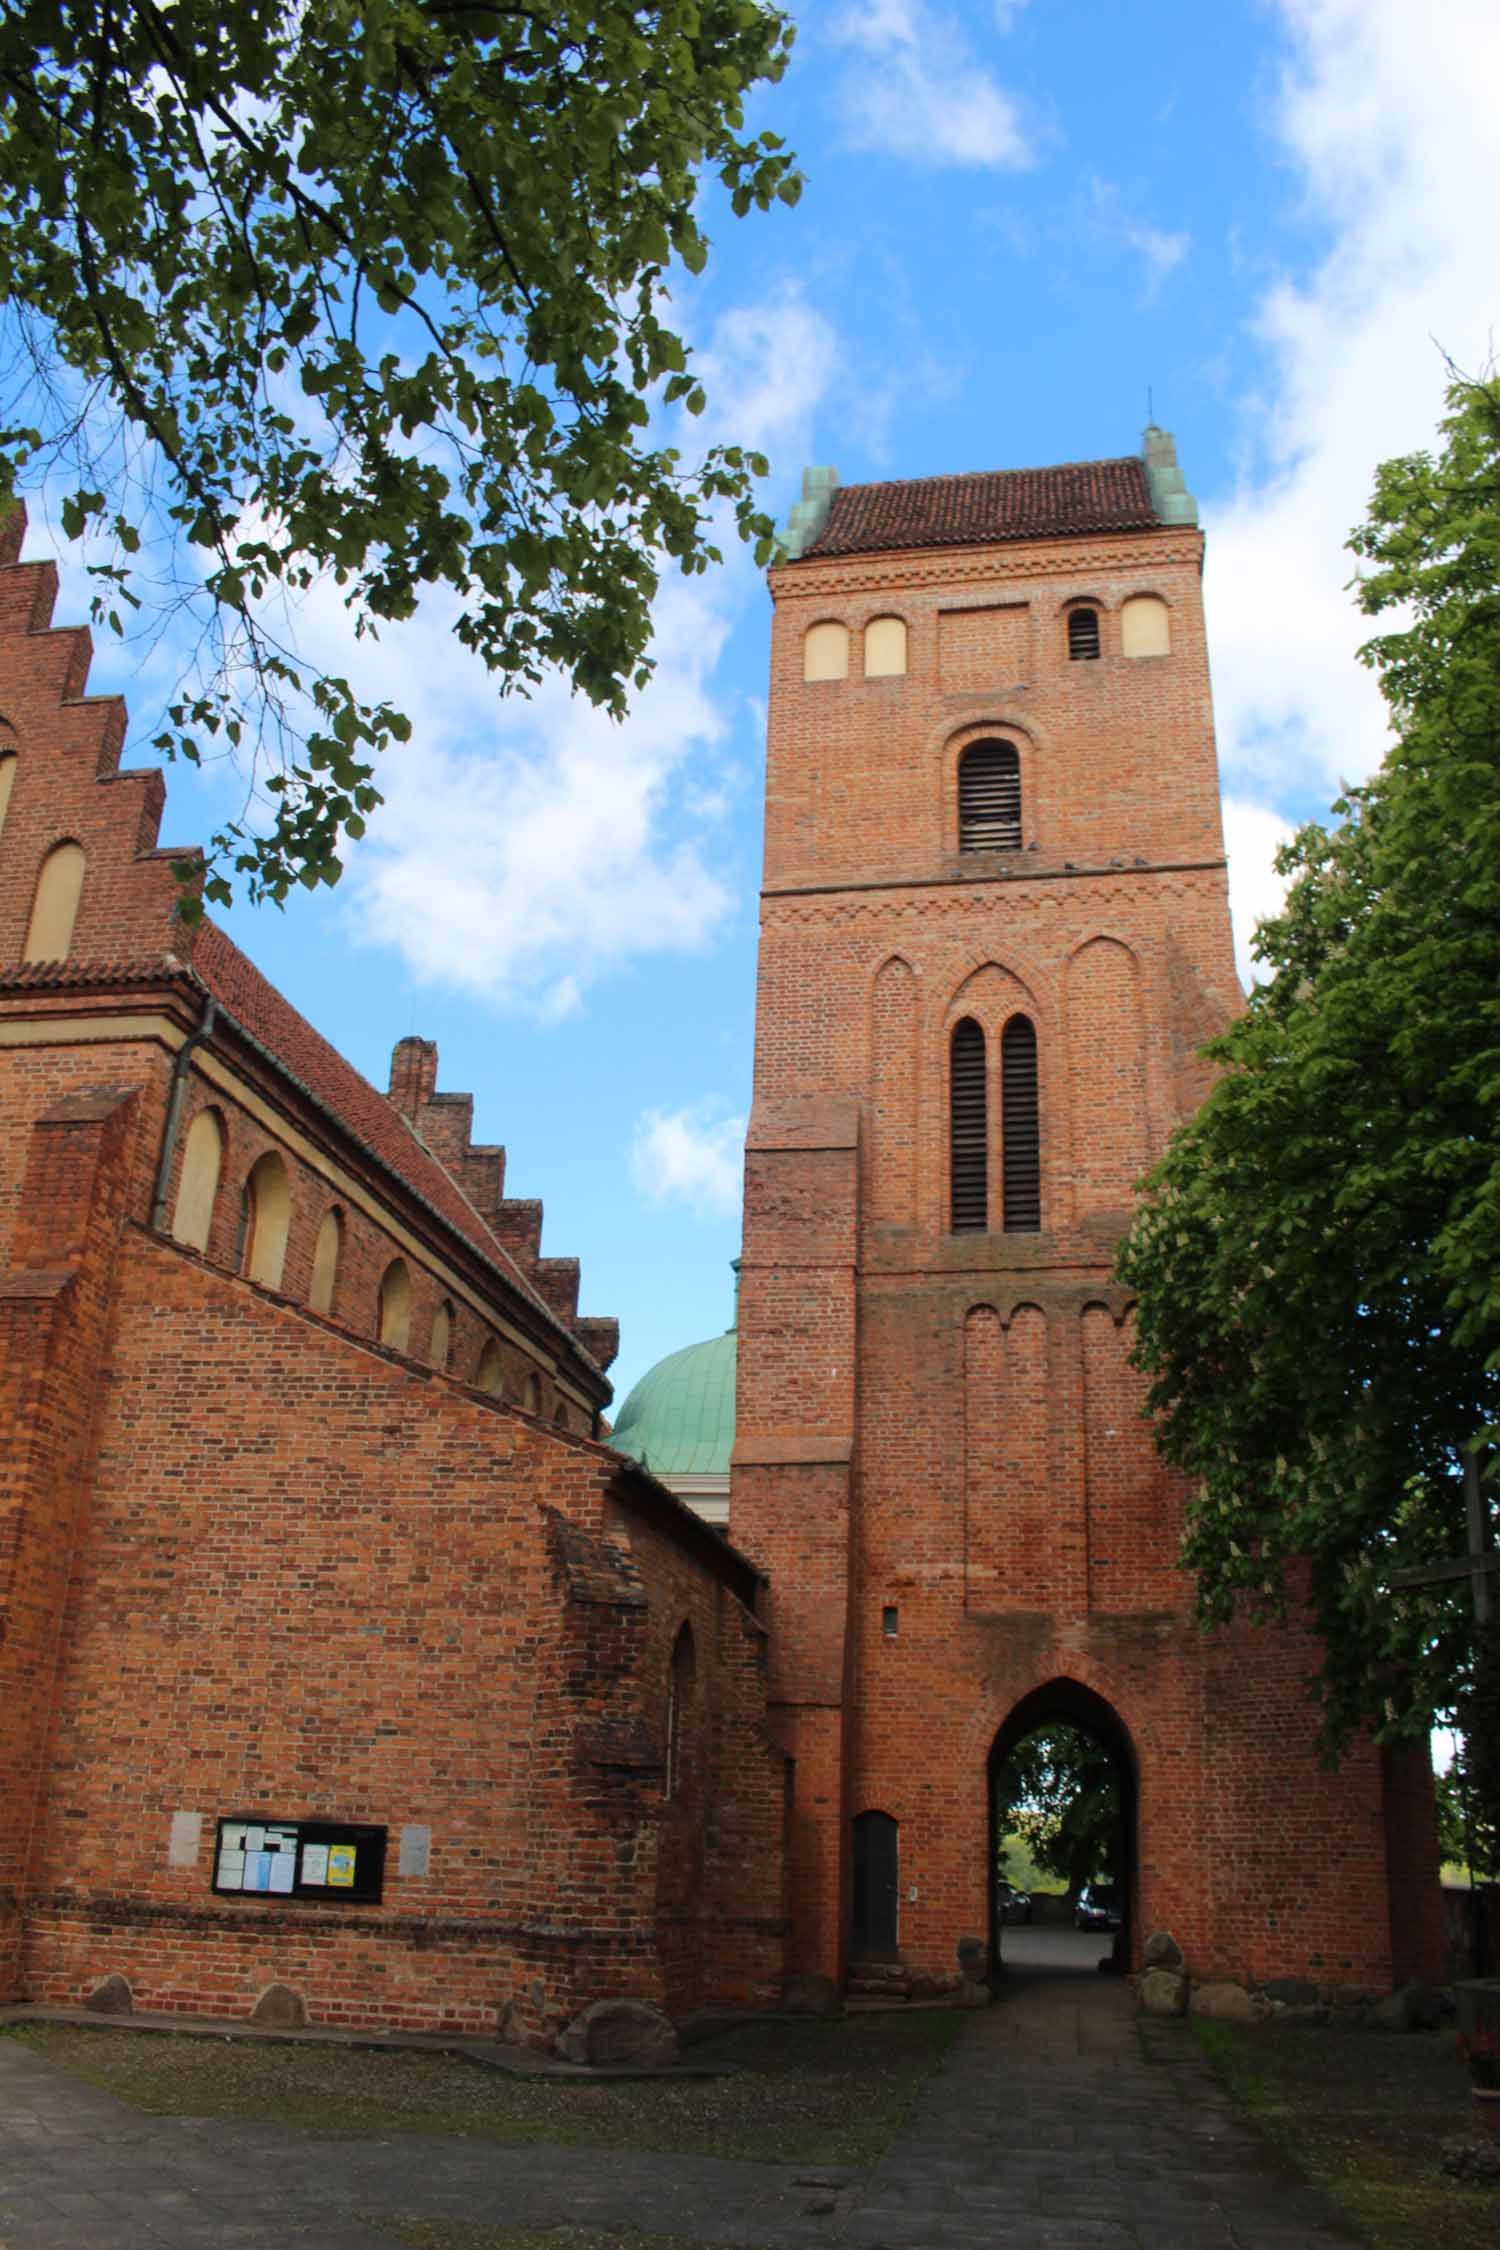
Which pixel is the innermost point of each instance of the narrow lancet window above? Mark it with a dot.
(1020, 1128)
(968, 1132)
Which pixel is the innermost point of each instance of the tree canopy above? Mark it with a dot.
(369, 288)
(1317, 1257)
(1059, 1791)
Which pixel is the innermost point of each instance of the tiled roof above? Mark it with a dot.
(971, 511)
(274, 1024)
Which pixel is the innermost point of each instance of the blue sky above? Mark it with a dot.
(1018, 217)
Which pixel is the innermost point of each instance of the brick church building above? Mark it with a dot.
(994, 936)
(338, 1654)
(341, 1654)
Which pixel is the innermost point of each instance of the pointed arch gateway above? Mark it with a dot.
(1067, 1702)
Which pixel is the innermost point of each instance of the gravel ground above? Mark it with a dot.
(1365, 2115)
(801, 2092)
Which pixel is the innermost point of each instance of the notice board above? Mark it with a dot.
(330, 1862)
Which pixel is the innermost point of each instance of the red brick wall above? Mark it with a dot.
(55, 1305)
(985, 1473)
(322, 1584)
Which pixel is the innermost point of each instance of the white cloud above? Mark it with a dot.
(528, 848)
(692, 1156)
(915, 88)
(1390, 118)
(1160, 253)
(1253, 834)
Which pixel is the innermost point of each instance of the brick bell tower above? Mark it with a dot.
(995, 934)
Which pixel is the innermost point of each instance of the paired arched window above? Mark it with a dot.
(7, 783)
(198, 1183)
(265, 1216)
(968, 1129)
(327, 1251)
(1020, 1126)
(825, 652)
(54, 910)
(1083, 635)
(989, 798)
(395, 1305)
(1145, 626)
(679, 1705)
(491, 1374)
(441, 1342)
(885, 648)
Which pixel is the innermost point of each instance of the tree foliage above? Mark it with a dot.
(372, 288)
(1318, 1255)
(1059, 1791)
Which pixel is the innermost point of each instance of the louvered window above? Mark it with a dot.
(1020, 1128)
(989, 798)
(967, 1127)
(1083, 635)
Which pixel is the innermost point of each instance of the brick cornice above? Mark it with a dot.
(966, 566)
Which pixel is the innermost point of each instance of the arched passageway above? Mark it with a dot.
(1062, 1791)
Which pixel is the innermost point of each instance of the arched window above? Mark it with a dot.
(1083, 635)
(825, 652)
(327, 1251)
(395, 1305)
(491, 1375)
(198, 1183)
(989, 798)
(1145, 626)
(1021, 1153)
(533, 1394)
(266, 1216)
(7, 783)
(885, 648)
(679, 1709)
(442, 1335)
(54, 910)
(560, 1416)
(968, 1133)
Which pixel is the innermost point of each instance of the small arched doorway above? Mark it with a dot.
(1093, 1847)
(877, 1878)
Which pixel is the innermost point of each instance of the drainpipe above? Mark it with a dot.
(175, 1101)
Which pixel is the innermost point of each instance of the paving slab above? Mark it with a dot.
(1059, 2121)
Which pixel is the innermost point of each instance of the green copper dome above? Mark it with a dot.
(679, 1419)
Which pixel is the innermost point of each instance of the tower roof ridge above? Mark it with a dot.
(980, 506)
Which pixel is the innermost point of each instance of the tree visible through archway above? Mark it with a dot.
(1063, 1813)
(1058, 1799)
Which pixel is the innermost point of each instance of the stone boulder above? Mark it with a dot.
(112, 1998)
(973, 1959)
(620, 2035)
(1162, 1951)
(812, 1996)
(279, 2008)
(1163, 1992)
(931, 1988)
(1411, 2007)
(1291, 1992)
(1225, 2002)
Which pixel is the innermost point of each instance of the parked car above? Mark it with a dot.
(1015, 1906)
(1101, 1906)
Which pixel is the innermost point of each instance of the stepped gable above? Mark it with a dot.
(290, 1041)
(997, 504)
(443, 1124)
(69, 787)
